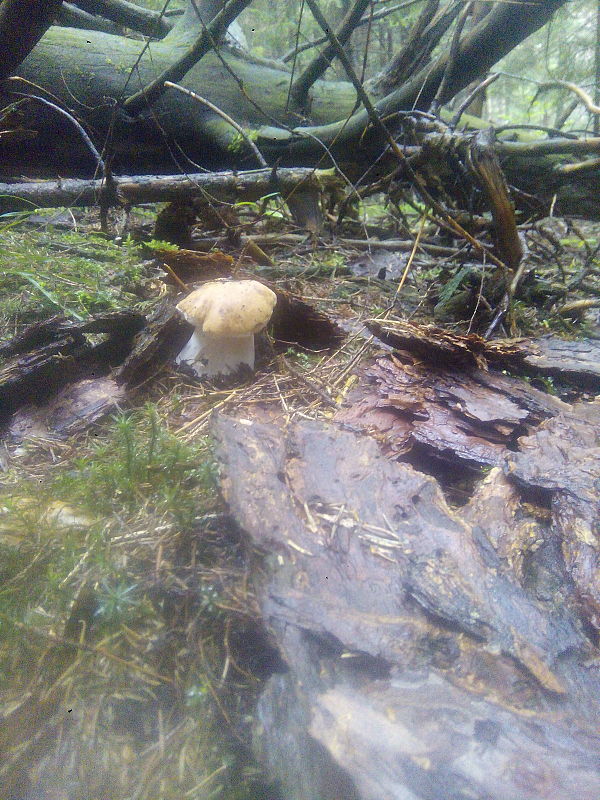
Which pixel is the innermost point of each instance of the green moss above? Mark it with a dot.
(45, 273)
(136, 473)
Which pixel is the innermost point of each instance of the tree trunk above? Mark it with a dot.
(22, 24)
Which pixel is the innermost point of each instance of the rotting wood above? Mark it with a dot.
(485, 164)
(50, 355)
(75, 408)
(457, 416)
(562, 458)
(418, 657)
(575, 361)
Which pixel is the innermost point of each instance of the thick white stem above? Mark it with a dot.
(210, 356)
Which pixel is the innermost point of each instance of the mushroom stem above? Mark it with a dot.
(209, 355)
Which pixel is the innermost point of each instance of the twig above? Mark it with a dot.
(410, 260)
(80, 129)
(259, 156)
(312, 385)
(471, 97)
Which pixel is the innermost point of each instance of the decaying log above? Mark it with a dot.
(123, 324)
(562, 457)
(74, 409)
(425, 658)
(163, 337)
(449, 414)
(485, 164)
(52, 354)
(574, 361)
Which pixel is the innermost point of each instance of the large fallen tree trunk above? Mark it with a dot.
(94, 73)
(102, 78)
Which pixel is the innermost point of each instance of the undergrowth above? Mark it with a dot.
(113, 547)
(46, 272)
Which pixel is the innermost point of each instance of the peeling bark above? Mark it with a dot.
(422, 661)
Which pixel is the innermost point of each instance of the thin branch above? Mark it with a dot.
(471, 97)
(548, 146)
(566, 112)
(295, 55)
(80, 129)
(192, 55)
(224, 186)
(317, 67)
(223, 115)
(341, 54)
(415, 49)
(581, 168)
(530, 127)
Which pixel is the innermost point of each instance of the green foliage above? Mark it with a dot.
(116, 599)
(141, 465)
(160, 244)
(139, 472)
(45, 273)
(451, 286)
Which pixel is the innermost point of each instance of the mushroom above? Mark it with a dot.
(226, 315)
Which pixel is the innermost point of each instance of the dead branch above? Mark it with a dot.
(226, 187)
(175, 72)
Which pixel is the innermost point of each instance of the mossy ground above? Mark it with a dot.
(120, 599)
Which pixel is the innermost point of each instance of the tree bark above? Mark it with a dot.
(90, 71)
(22, 25)
(229, 187)
(151, 23)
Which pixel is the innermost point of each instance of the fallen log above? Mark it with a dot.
(48, 356)
(575, 361)
(229, 187)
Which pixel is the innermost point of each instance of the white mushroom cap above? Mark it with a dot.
(229, 308)
(226, 315)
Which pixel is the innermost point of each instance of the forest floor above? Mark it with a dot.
(130, 648)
